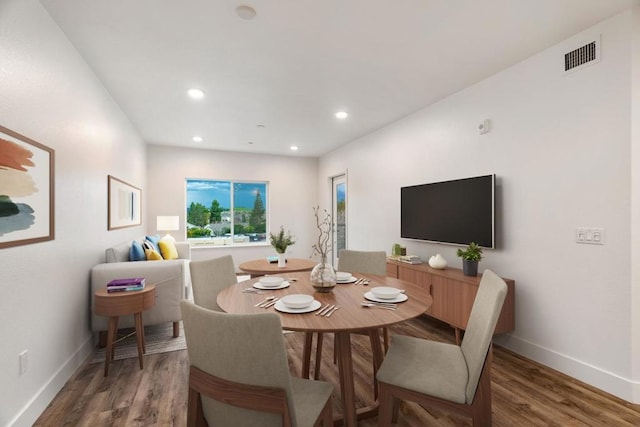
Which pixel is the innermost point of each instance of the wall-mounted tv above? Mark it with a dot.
(456, 212)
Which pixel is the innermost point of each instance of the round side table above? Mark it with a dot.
(117, 304)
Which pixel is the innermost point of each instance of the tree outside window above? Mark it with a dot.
(226, 212)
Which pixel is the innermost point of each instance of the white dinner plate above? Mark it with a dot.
(272, 281)
(282, 285)
(279, 305)
(351, 280)
(400, 298)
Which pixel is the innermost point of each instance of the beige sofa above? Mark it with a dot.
(171, 278)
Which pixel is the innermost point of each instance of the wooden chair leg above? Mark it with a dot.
(385, 337)
(316, 371)
(176, 329)
(326, 418)
(306, 355)
(195, 415)
(396, 411)
(377, 355)
(385, 407)
(481, 405)
(102, 339)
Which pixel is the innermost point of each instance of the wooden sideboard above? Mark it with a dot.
(453, 294)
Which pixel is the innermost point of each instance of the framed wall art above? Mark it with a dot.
(124, 204)
(26, 190)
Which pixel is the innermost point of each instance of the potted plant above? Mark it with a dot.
(470, 258)
(280, 242)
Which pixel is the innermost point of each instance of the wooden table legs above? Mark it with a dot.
(112, 340)
(111, 337)
(345, 368)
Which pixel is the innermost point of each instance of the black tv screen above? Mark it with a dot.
(456, 212)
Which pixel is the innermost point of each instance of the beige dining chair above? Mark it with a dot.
(239, 374)
(446, 375)
(352, 261)
(209, 277)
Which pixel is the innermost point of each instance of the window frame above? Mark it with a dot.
(232, 238)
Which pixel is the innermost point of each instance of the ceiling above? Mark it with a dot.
(276, 80)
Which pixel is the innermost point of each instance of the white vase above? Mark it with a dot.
(282, 261)
(438, 262)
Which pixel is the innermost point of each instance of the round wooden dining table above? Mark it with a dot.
(260, 267)
(351, 317)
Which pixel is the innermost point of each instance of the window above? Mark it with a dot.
(226, 212)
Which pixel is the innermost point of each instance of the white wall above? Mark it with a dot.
(635, 204)
(560, 146)
(292, 193)
(50, 95)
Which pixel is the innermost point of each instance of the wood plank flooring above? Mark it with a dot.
(524, 393)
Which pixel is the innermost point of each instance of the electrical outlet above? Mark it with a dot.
(483, 127)
(23, 359)
(590, 235)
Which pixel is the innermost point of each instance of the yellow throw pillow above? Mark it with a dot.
(168, 249)
(153, 255)
(150, 253)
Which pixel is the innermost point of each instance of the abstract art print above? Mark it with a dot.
(26, 190)
(124, 204)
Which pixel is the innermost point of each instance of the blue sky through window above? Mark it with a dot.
(206, 191)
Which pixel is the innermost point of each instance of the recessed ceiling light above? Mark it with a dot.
(342, 115)
(197, 138)
(196, 93)
(246, 12)
(293, 148)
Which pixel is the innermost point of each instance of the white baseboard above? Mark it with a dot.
(609, 382)
(34, 408)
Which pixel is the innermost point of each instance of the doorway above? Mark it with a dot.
(339, 213)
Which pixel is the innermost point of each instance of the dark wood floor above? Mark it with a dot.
(524, 393)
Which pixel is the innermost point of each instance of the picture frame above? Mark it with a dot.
(124, 204)
(27, 185)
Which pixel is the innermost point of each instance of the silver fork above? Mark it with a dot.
(368, 304)
(266, 300)
(333, 310)
(270, 303)
(388, 304)
(324, 310)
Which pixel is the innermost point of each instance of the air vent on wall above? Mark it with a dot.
(586, 54)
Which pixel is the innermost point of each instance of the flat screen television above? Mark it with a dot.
(455, 212)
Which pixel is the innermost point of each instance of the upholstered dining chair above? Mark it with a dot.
(239, 374)
(367, 262)
(352, 261)
(209, 277)
(446, 375)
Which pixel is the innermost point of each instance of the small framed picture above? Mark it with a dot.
(125, 203)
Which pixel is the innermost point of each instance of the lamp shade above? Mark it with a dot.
(168, 223)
